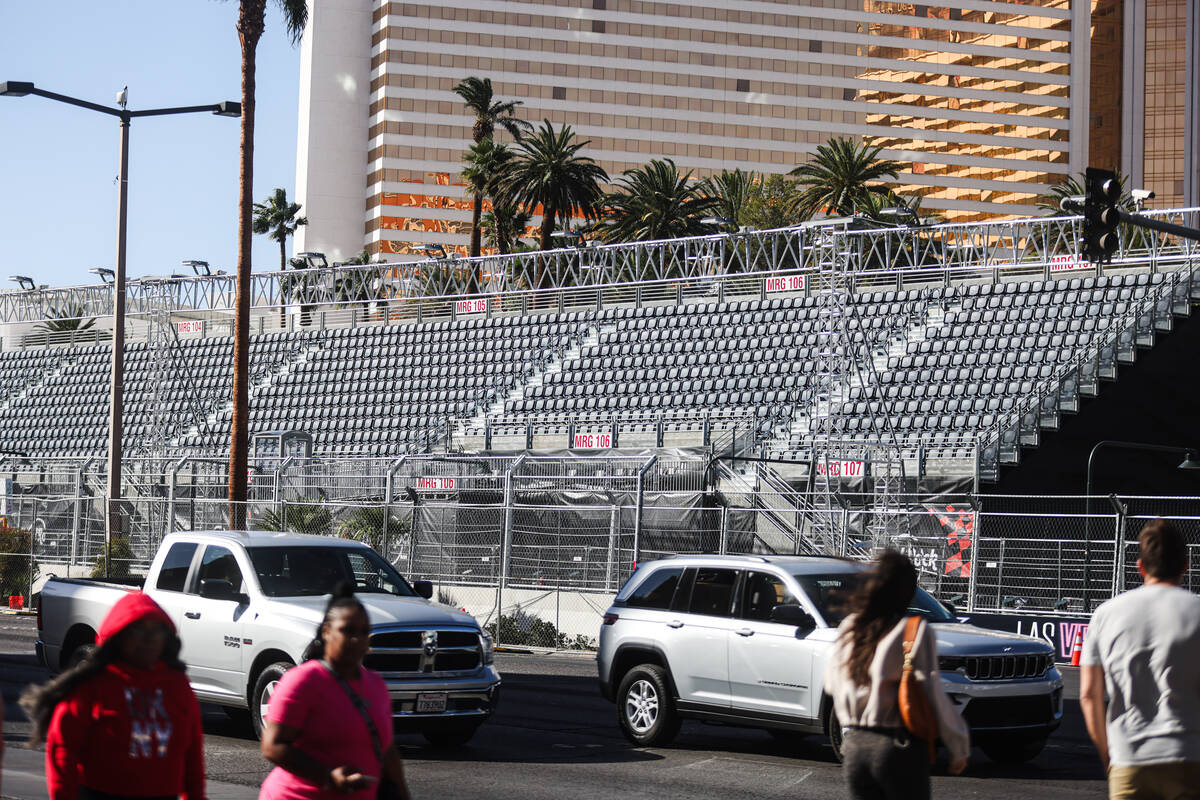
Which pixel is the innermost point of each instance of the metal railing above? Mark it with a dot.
(625, 273)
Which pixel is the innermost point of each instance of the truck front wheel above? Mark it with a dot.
(264, 687)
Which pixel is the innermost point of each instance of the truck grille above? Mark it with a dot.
(1009, 712)
(403, 651)
(998, 668)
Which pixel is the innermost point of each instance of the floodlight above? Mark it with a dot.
(15, 88)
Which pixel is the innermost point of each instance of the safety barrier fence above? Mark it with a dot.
(542, 574)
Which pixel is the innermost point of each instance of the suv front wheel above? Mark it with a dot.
(645, 707)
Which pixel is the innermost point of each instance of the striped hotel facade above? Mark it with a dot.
(986, 103)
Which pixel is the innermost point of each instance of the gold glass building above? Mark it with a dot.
(986, 102)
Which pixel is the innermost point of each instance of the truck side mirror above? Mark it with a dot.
(793, 614)
(220, 589)
(424, 588)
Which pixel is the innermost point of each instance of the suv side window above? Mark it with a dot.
(683, 594)
(761, 592)
(219, 563)
(712, 593)
(657, 590)
(173, 573)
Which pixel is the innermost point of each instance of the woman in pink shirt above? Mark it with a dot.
(317, 731)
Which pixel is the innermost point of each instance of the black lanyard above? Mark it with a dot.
(376, 742)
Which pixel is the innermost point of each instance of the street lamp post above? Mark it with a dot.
(1191, 461)
(116, 388)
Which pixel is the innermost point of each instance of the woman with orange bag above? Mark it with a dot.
(882, 759)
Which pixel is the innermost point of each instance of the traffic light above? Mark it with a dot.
(1100, 215)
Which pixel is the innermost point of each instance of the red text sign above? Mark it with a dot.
(191, 326)
(1065, 263)
(436, 483)
(477, 305)
(842, 469)
(785, 283)
(592, 441)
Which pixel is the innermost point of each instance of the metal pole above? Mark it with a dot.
(112, 516)
(724, 547)
(613, 524)
(388, 489)
(641, 500)
(973, 575)
(505, 542)
(76, 515)
(1118, 546)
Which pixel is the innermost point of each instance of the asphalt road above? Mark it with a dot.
(554, 737)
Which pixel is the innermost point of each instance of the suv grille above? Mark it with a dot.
(998, 668)
(403, 651)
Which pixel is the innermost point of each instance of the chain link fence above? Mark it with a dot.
(540, 573)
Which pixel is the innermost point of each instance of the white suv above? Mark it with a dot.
(745, 640)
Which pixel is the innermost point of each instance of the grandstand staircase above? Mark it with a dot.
(551, 366)
(1099, 361)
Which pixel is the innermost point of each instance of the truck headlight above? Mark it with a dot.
(488, 649)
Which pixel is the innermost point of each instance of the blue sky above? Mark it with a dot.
(58, 163)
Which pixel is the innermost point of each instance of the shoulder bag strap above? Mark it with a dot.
(911, 629)
(376, 742)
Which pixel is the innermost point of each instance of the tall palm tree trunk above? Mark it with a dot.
(251, 18)
(544, 280)
(282, 267)
(473, 280)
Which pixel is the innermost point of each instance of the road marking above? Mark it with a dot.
(765, 772)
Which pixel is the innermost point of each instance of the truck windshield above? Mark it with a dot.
(831, 595)
(314, 571)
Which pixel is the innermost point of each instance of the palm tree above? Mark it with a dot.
(486, 163)
(839, 177)
(303, 515)
(504, 225)
(277, 218)
(655, 202)
(732, 191)
(549, 172)
(1071, 187)
(250, 24)
(66, 319)
(478, 97)
(367, 525)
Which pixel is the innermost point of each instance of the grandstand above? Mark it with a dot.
(936, 359)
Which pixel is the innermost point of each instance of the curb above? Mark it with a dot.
(14, 613)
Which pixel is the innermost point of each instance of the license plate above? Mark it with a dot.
(434, 703)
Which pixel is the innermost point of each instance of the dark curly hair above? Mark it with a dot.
(39, 701)
(880, 602)
(343, 597)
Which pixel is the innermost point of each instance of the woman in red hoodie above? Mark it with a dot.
(124, 723)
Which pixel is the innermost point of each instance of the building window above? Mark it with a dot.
(814, 46)
(848, 94)
(559, 93)
(597, 26)
(743, 85)
(599, 5)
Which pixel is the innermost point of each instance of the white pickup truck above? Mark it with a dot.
(247, 604)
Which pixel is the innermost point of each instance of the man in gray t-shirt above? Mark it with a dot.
(1144, 647)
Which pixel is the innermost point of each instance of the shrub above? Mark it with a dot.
(17, 568)
(119, 555)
